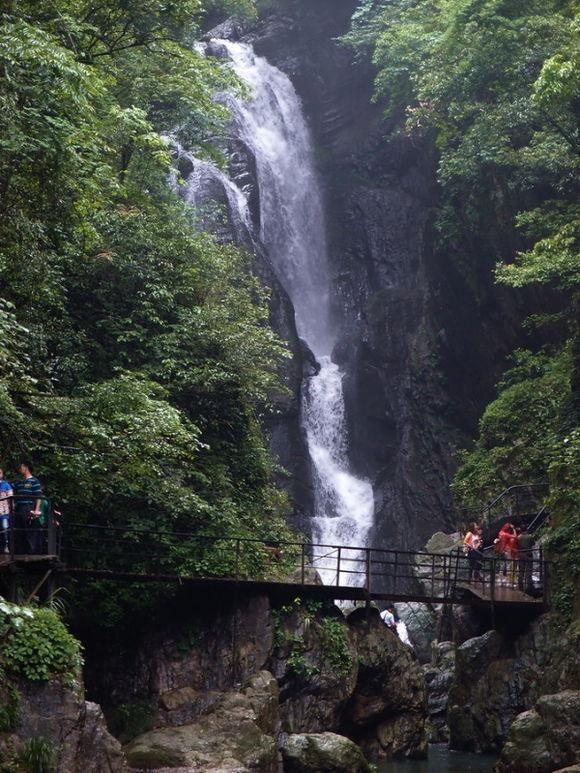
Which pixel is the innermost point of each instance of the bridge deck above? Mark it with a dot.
(501, 594)
(463, 592)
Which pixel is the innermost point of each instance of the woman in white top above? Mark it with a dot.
(473, 542)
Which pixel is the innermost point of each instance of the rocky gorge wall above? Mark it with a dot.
(189, 693)
(421, 341)
(505, 684)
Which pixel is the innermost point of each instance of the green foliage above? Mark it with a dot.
(10, 704)
(494, 84)
(494, 87)
(334, 639)
(37, 645)
(39, 756)
(297, 662)
(137, 362)
(518, 432)
(129, 720)
(563, 539)
(330, 633)
(244, 9)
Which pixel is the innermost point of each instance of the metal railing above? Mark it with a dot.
(120, 551)
(21, 532)
(520, 504)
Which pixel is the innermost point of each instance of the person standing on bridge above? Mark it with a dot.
(28, 508)
(506, 546)
(473, 542)
(5, 505)
(525, 560)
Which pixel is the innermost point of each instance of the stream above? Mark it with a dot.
(442, 760)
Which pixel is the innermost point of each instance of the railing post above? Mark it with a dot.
(12, 535)
(237, 564)
(338, 567)
(492, 591)
(432, 575)
(51, 534)
(302, 564)
(368, 569)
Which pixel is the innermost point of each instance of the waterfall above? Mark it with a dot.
(271, 124)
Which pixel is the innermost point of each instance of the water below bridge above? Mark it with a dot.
(442, 760)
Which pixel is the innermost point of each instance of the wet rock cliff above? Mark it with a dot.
(422, 341)
(250, 680)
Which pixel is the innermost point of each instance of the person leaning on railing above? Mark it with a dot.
(5, 499)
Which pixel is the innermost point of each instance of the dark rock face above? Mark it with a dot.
(421, 341)
(546, 738)
(498, 676)
(75, 728)
(333, 675)
(438, 679)
(385, 714)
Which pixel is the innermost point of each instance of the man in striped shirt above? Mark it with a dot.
(28, 508)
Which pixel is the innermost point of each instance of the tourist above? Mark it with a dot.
(525, 560)
(473, 543)
(5, 507)
(506, 547)
(28, 510)
(388, 617)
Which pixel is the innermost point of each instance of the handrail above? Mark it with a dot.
(540, 518)
(488, 507)
(513, 488)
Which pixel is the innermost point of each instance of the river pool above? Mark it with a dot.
(441, 760)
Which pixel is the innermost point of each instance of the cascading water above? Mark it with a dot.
(292, 229)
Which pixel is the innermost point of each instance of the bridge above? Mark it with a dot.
(279, 569)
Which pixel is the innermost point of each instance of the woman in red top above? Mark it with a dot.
(507, 546)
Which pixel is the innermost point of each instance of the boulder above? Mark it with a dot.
(74, 728)
(442, 543)
(386, 713)
(319, 752)
(546, 738)
(237, 735)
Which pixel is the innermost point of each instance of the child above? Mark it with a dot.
(5, 501)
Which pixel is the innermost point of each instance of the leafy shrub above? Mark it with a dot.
(39, 647)
(129, 720)
(335, 645)
(329, 631)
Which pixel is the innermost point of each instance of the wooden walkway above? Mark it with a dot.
(278, 569)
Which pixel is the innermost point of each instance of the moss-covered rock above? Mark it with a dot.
(546, 738)
(237, 734)
(42, 700)
(320, 752)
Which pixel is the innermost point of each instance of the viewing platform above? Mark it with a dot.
(283, 569)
